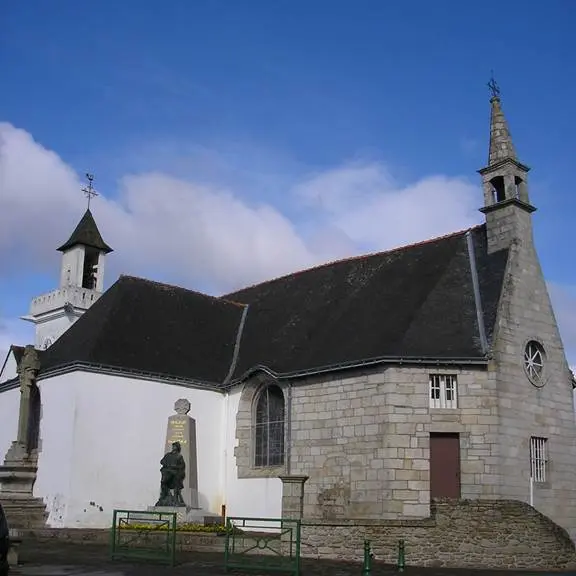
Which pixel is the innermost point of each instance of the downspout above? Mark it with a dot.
(224, 487)
(289, 429)
(225, 385)
(477, 295)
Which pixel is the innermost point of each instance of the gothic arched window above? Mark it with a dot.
(269, 427)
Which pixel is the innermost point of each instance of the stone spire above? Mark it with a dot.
(501, 146)
(505, 183)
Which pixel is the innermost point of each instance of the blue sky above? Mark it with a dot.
(268, 102)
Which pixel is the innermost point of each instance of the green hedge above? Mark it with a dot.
(199, 528)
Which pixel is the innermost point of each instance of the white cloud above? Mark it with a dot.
(208, 235)
(211, 235)
(364, 202)
(13, 331)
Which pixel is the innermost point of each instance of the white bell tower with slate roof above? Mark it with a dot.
(81, 280)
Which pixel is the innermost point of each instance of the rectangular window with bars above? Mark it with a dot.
(538, 459)
(443, 391)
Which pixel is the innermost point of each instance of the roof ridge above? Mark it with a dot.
(176, 287)
(359, 257)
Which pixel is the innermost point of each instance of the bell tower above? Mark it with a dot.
(81, 280)
(505, 183)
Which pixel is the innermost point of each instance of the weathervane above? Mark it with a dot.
(493, 87)
(89, 191)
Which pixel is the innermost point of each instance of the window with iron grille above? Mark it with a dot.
(538, 459)
(443, 391)
(269, 428)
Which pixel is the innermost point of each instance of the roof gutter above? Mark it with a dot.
(383, 360)
(397, 360)
(137, 374)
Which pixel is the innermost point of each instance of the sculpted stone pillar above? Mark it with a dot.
(27, 372)
(18, 474)
(24, 445)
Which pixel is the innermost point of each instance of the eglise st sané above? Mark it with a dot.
(376, 384)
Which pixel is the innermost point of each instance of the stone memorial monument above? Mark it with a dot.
(181, 429)
(18, 473)
(179, 469)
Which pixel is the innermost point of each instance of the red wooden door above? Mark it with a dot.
(444, 466)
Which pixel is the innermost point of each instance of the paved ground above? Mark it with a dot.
(57, 559)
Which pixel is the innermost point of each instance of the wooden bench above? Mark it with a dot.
(15, 541)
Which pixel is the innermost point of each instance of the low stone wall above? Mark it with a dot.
(467, 533)
(185, 541)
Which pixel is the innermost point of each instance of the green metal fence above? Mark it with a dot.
(265, 544)
(144, 535)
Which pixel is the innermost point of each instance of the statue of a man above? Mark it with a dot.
(173, 472)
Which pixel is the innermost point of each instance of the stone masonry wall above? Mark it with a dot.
(526, 409)
(473, 533)
(364, 441)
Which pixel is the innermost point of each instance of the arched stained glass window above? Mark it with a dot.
(269, 428)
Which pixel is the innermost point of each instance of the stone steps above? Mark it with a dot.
(24, 512)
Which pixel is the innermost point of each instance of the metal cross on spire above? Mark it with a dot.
(493, 87)
(89, 191)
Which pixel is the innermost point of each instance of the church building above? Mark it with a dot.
(367, 387)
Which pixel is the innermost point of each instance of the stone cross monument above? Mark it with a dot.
(18, 473)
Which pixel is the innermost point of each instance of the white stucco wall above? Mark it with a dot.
(102, 438)
(47, 332)
(55, 465)
(102, 441)
(251, 497)
(9, 411)
(72, 267)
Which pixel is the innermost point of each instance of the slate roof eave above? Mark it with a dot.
(220, 387)
(9, 384)
(124, 371)
(361, 363)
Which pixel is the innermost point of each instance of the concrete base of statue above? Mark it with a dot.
(17, 479)
(189, 515)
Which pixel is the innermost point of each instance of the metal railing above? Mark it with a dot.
(144, 535)
(368, 557)
(265, 544)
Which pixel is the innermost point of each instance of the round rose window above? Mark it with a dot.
(534, 359)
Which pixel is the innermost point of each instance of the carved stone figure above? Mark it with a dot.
(182, 406)
(173, 472)
(28, 368)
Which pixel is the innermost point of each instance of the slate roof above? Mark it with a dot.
(153, 328)
(86, 234)
(416, 302)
